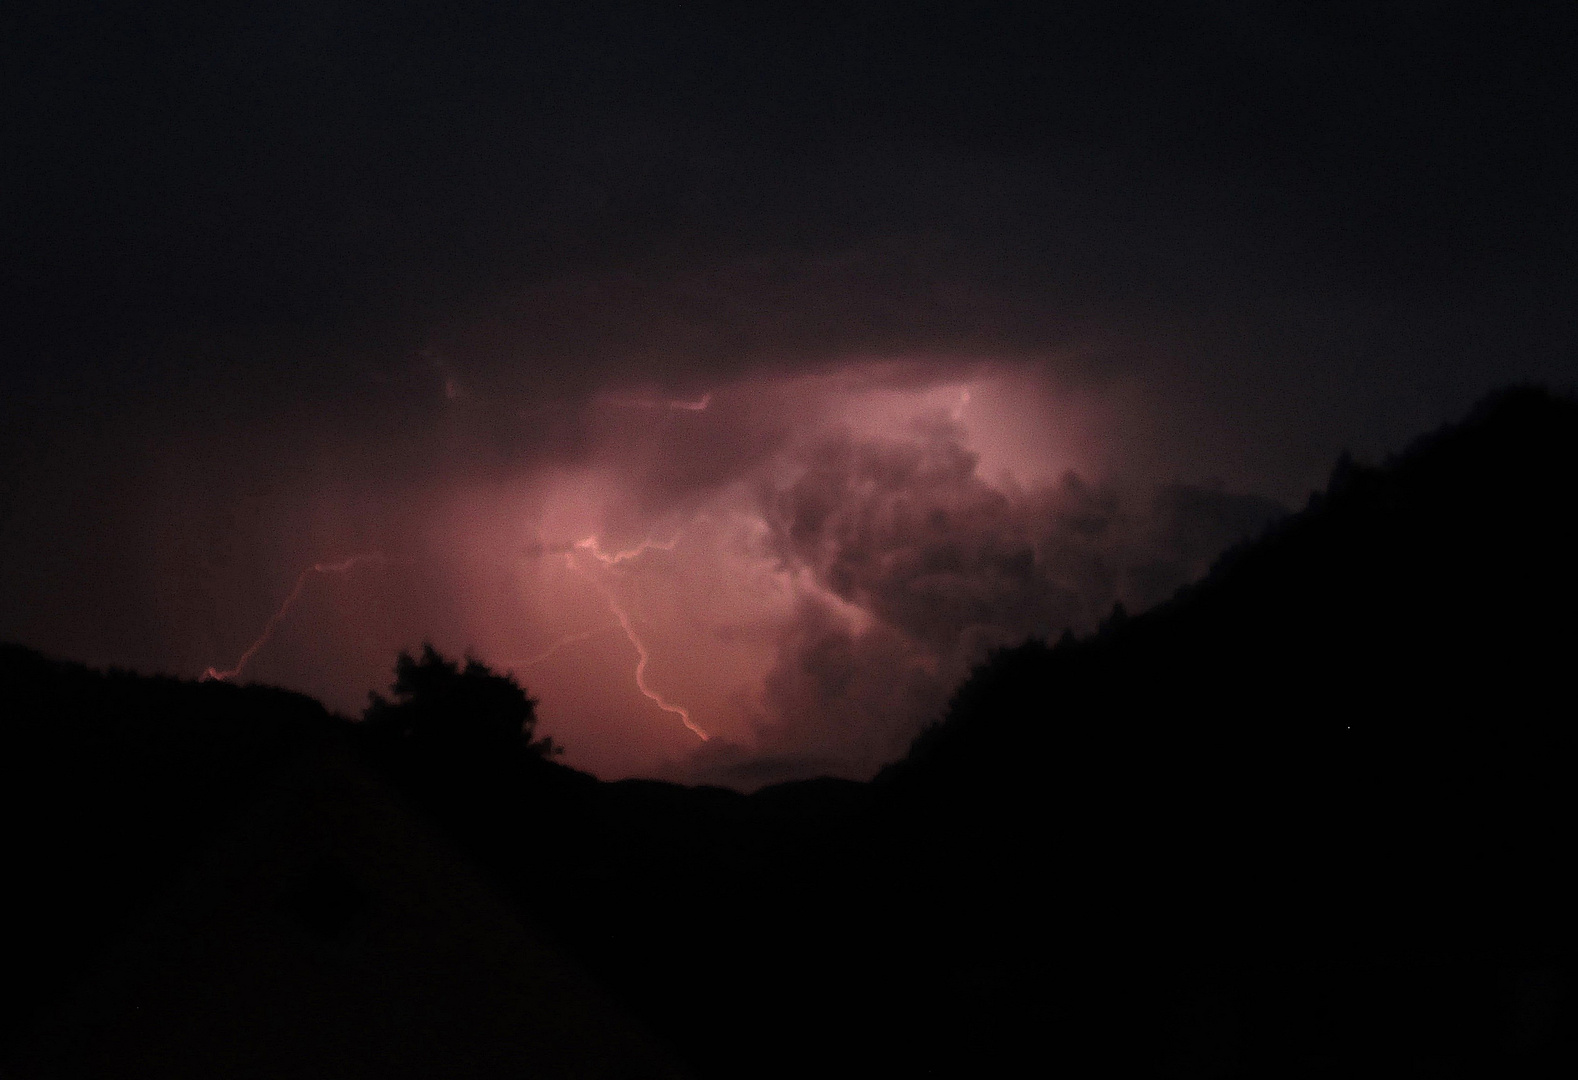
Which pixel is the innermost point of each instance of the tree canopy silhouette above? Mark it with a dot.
(443, 707)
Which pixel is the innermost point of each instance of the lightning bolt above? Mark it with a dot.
(678, 405)
(345, 567)
(641, 672)
(568, 639)
(595, 550)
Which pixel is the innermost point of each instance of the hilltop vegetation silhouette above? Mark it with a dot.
(1313, 816)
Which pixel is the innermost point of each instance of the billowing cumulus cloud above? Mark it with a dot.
(921, 565)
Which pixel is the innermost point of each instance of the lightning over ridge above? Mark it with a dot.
(343, 567)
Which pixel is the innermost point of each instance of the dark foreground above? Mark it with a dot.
(1312, 817)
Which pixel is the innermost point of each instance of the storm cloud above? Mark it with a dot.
(921, 565)
(915, 330)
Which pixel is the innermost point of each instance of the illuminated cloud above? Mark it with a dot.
(942, 565)
(798, 575)
(811, 596)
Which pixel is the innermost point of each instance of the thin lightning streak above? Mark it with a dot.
(641, 672)
(214, 674)
(591, 547)
(699, 405)
(568, 639)
(595, 550)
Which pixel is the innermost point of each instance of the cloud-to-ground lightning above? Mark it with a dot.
(594, 549)
(343, 567)
(641, 669)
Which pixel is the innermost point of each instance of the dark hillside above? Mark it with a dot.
(735, 926)
(209, 881)
(1333, 783)
(110, 784)
(1426, 602)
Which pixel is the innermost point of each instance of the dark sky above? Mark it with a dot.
(986, 317)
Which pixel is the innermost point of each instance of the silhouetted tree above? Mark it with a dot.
(442, 707)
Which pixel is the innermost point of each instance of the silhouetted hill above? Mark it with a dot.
(207, 880)
(1426, 602)
(1311, 817)
(1332, 784)
(110, 783)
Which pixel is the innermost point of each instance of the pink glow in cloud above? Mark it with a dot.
(798, 573)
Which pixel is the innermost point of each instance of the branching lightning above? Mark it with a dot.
(594, 549)
(214, 674)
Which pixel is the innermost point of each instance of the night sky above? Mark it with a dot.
(731, 370)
